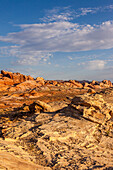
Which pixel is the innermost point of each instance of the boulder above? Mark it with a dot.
(110, 84)
(76, 83)
(40, 80)
(92, 107)
(91, 91)
(7, 74)
(101, 84)
(39, 106)
(85, 84)
(93, 82)
(107, 82)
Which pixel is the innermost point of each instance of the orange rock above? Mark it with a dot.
(55, 83)
(7, 73)
(101, 84)
(105, 81)
(91, 86)
(2, 82)
(110, 84)
(33, 93)
(91, 91)
(51, 82)
(97, 87)
(29, 78)
(39, 79)
(85, 84)
(76, 83)
(16, 77)
(3, 87)
(1, 76)
(68, 84)
(93, 82)
(27, 85)
(7, 81)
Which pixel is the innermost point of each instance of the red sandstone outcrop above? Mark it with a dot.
(27, 85)
(15, 82)
(16, 77)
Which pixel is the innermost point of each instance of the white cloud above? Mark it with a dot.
(67, 13)
(86, 11)
(36, 42)
(94, 64)
(70, 58)
(25, 57)
(58, 14)
(60, 36)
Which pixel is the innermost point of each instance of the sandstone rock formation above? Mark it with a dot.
(16, 77)
(76, 83)
(93, 107)
(40, 106)
(47, 124)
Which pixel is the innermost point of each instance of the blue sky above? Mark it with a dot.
(67, 39)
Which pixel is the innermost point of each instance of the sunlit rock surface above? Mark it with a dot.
(55, 124)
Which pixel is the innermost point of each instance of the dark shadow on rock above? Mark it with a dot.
(1, 134)
(109, 168)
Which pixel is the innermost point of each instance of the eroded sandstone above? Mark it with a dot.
(55, 124)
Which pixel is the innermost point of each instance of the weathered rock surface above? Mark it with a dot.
(11, 162)
(93, 107)
(55, 124)
(40, 106)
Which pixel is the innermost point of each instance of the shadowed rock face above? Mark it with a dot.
(40, 106)
(55, 124)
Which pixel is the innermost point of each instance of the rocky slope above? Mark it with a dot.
(55, 124)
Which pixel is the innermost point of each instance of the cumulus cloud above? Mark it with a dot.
(61, 36)
(94, 64)
(36, 42)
